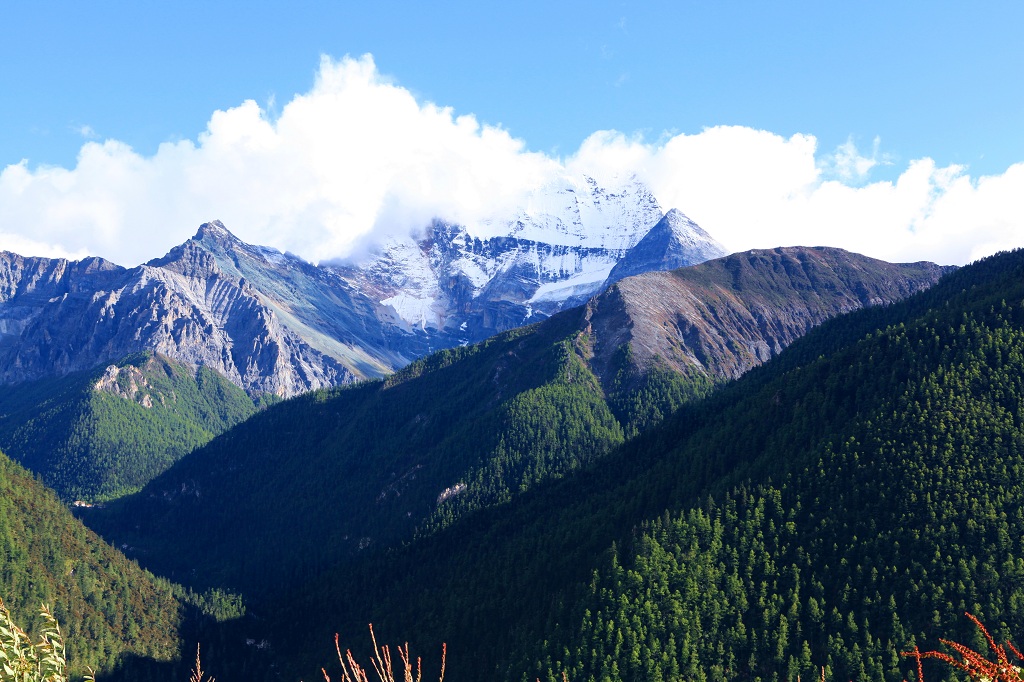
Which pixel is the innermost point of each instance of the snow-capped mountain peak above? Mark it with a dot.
(461, 283)
(674, 242)
(577, 211)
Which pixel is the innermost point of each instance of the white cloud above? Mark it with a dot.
(354, 156)
(20, 244)
(848, 165)
(358, 157)
(754, 189)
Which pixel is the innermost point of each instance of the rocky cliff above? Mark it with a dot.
(728, 315)
(58, 317)
(274, 323)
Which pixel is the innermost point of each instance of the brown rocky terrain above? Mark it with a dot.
(725, 316)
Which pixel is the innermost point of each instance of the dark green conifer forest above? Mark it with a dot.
(106, 605)
(844, 502)
(95, 444)
(833, 508)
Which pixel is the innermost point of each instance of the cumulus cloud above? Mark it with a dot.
(847, 164)
(358, 158)
(355, 156)
(755, 189)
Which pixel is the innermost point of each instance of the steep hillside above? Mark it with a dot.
(841, 503)
(336, 475)
(105, 604)
(715, 321)
(732, 313)
(103, 433)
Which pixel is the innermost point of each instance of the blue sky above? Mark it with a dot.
(902, 81)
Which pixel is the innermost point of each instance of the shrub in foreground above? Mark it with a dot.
(21, 660)
(382, 662)
(974, 663)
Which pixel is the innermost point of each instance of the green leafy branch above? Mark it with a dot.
(23, 661)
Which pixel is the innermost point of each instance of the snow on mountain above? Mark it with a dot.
(578, 212)
(273, 322)
(675, 242)
(472, 281)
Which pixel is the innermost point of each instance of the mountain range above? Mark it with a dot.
(841, 502)
(273, 323)
(359, 471)
(760, 466)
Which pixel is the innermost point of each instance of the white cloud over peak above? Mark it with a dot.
(755, 189)
(354, 156)
(358, 158)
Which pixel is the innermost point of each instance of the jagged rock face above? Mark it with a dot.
(313, 303)
(675, 242)
(58, 317)
(725, 316)
(129, 383)
(458, 284)
(272, 322)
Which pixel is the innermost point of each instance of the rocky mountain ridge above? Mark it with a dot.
(273, 323)
(725, 316)
(58, 317)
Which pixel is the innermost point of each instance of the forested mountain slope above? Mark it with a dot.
(843, 502)
(341, 475)
(330, 475)
(105, 604)
(106, 432)
(886, 500)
